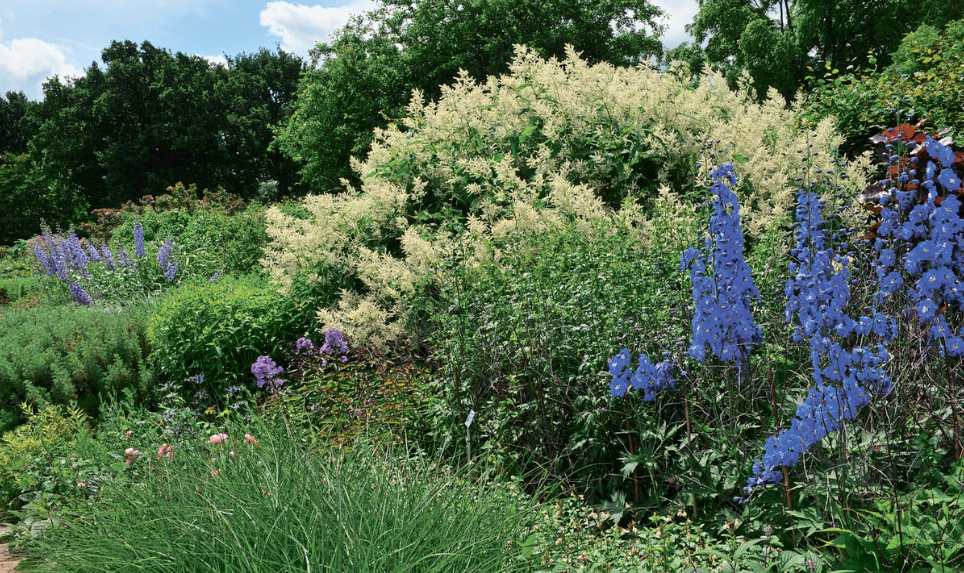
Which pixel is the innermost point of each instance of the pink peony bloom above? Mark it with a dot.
(217, 439)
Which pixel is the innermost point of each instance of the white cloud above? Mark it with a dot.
(27, 57)
(217, 60)
(26, 62)
(679, 14)
(301, 27)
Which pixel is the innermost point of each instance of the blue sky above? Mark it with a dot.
(40, 38)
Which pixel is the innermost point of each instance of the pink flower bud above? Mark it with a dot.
(217, 439)
(130, 454)
(251, 439)
(165, 451)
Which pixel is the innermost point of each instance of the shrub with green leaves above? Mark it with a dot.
(924, 80)
(30, 455)
(214, 232)
(524, 339)
(61, 354)
(549, 143)
(218, 329)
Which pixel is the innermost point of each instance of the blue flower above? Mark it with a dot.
(722, 283)
(949, 180)
(139, 250)
(80, 295)
(171, 271)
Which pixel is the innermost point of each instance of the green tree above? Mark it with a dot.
(13, 130)
(366, 75)
(775, 41)
(924, 80)
(258, 92)
(148, 118)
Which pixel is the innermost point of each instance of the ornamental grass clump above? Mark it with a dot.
(271, 501)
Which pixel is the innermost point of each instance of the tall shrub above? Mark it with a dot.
(550, 142)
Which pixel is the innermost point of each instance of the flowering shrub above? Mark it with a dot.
(218, 329)
(551, 143)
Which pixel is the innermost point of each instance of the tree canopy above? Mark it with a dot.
(775, 41)
(366, 74)
(13, 131)
(148, 118)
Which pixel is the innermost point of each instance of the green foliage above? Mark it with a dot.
(524, 341)
(26, 200)
(371, 395)
(367, 74)
(13, 290)
(14, 132)
(917, 531)
(279, 505)
(17, 261)
(923, 82)
(62, 354)
(214, 232)
(218, 329)
(30, 455)
(775, 40)
(148, 118)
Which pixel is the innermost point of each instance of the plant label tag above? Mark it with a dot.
(469, 418)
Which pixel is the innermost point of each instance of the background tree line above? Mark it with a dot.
(268, 124)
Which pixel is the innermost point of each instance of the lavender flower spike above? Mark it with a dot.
(139, 250)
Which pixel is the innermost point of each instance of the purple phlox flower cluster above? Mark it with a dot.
(722, 284)
(648, 377)
(844, 380)
(304, 344)
(920, 243)
(267, 374)
(139, 250)
(334, 344)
